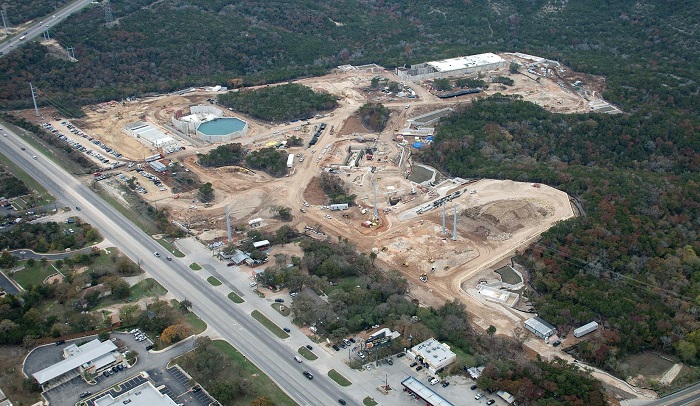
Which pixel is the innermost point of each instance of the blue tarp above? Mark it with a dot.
(417, 145)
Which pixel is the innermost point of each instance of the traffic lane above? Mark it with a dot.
(221, 312)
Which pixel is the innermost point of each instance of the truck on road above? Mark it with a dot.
(22, 37)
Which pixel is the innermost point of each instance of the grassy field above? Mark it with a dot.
(307, 354)
(213, 281)
(260, 382)
(338, 378)
(33, 275)
(235, 298)
(197, 324)
(276, 330)
(44, 194)
(368, 401)
(146, 288)
(141, 222)
(195, 266)
(280, 307)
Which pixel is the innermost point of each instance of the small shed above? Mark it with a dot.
(261, 245)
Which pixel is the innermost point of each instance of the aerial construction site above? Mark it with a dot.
(446, 235)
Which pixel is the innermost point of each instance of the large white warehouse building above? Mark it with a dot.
(453, 67)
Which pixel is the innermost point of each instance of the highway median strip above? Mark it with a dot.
(274, 328)
(338, 378)
(195, 266)
(306, 353)
(213, 281)
(235, 298)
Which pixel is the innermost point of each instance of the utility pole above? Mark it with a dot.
(108, 13)
(228, 226)
(71, 53)
(36, 109)
(46, 35)
(444, 229)
(454, 232)
(376, 214)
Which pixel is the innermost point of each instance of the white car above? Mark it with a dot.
(328, 216)
(157, 254)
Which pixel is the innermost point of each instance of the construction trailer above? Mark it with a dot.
(340, 206)
(290, 160)
(583, 330)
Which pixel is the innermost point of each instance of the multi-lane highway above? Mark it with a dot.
(40, 26)
(253, 340)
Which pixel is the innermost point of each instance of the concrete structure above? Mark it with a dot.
(540, 327)
(475, 372)
(433, 353)
(90, 357)
(339, 206)
(424, 393)
(588, 328)
(454, 67)
(144, 394)
(150, 133)
(429, 118)
(208, 123)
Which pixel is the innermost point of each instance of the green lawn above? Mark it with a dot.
(197, 324)
(33, 275)
(338, 378)
(214, 281)
(146, 288)
(276, 330)
(368, 401)
(260, 382)
(195, 266)
(259, 293)
(307, 354)
(235, 298)
(282, 308)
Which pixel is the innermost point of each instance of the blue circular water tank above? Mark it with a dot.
(417, 145)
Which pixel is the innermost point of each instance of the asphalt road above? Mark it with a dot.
(36, 29)
(252, 339)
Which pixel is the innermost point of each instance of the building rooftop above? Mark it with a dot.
(424, 392)
(540, 325)
(433, 351)
(144, 394)
(463, 62)
(85, 354)
(262, 243)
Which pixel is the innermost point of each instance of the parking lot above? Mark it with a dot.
(124, 386)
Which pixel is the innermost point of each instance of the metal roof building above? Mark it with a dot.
(540, 327)
(144, 394)
(453, 67)
(588, 328)
(424, 393)
(92, 355)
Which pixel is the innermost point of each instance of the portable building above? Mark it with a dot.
(290, 160)
(588, 328)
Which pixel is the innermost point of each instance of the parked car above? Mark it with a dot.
(401, 354)
(445, 384)
(479, 396)
(196, 389)
(419, 367)
(286, 329)
(84, 395)
(413, 364)
(157, 254)
(473, 387)
(335, 347)
(490, 402)
(279, 300)
(308, 347)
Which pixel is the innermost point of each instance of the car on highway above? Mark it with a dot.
(157, 254)
(342, 402)
(169, 258)
(308, 347)
(23, 149)
(308, 375)
(297, 359)
(77, 208)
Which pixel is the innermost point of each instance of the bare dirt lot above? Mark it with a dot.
(495, 218)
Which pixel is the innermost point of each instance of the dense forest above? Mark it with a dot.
(10, 186)
(630, 261)
(19, 12)
(279, 103)
(223, 155)
(374, 116)
(646, 50)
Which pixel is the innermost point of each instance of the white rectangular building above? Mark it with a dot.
(433, 353)
(588, 328)
(290, 160)
(453, 67)
(144, 394)
(540, 327)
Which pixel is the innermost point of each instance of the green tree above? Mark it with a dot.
(514, 67)
(7, 260)
(442, 84)
(206, 192)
